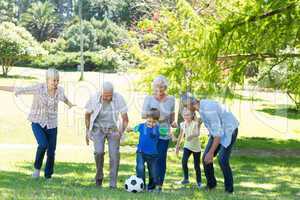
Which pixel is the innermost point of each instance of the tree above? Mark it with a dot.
(16, 43)
(8, 11)
(210, 44)
(72, 37)
(41, 21)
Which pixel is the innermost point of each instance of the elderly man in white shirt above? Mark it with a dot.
(106, 119)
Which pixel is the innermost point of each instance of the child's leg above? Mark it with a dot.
(185, 159)
(197, 157)
(140, 166)
(152, 162)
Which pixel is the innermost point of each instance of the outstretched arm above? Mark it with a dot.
(7, 88)
(69, 103)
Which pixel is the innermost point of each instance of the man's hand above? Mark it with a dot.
(209, 158)
(116, 135)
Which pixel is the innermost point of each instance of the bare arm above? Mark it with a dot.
(7, 88)
(179, 141)
(87, 125)
(70, 104)
(125, 121)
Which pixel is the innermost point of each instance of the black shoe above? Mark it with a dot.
(98, 182)
(208, 189)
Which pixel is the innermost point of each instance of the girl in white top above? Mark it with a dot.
(189, 129)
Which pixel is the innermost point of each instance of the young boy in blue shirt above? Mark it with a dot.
(147, 147)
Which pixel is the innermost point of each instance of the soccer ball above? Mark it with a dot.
(134, 184)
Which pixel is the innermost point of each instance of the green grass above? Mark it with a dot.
(255, 178)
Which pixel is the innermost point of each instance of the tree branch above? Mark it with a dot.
(265, 15)
(257, 56)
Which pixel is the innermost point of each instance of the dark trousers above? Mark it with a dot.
(151, 161)
(185, 158)
(223, 158)
(46, 139)
(162, 148)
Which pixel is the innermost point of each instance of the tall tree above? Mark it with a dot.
(41, 20)
(211, 43)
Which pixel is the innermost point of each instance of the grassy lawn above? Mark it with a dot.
(265, 161)
(255, 178)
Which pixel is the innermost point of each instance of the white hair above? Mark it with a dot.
(160, 80)
(107, 86)
(52, 73)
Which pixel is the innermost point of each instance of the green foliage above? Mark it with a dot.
(108, 33)
(16, 43)
(72, 37)
(209, 45)
(55, 46)
(8, 11)
(105, 60)
(41, 20)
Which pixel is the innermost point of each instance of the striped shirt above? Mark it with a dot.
(44, 107)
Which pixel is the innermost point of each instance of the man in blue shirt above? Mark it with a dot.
(147, 147)
(223, 129)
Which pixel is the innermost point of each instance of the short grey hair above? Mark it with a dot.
(107, 86)
(160, 80)
(52, 73)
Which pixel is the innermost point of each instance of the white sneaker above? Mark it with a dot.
(36, 173)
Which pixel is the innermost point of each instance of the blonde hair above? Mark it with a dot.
(52, 73)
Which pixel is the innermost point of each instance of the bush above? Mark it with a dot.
(107, 60)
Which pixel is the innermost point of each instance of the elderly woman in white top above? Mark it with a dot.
(166, 105)
(43, 117)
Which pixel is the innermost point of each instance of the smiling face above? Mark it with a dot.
(106, 96)
(52, 83)
(187, 115)
(159, 90)
(151, 122)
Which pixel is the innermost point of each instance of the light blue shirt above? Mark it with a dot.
(218, 120)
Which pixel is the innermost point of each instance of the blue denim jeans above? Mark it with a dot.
(223, 158)
(162, 148)
(151, 161)
(46, 139)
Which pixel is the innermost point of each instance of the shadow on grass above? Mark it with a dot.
(18, 77)
(285, 111)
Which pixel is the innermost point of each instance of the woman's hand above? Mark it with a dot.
(174, 124)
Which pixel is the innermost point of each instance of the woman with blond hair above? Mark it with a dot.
(43, 117)
(166, 105)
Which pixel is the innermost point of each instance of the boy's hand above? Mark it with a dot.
(128, 129)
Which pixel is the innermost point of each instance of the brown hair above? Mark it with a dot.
(153, 113)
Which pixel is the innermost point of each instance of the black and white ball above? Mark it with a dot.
(134, 184)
